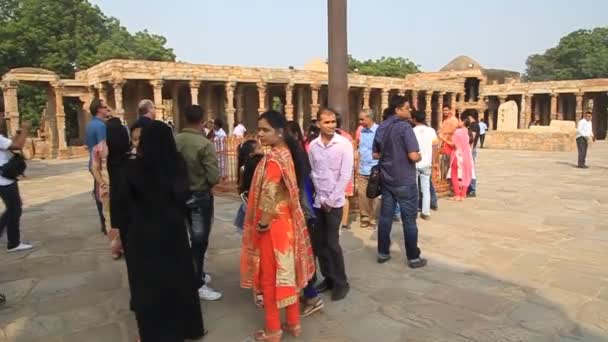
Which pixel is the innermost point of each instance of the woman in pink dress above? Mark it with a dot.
(461, 162)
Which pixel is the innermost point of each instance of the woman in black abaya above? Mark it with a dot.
(163, 285)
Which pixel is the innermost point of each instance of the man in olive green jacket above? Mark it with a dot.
(204, 173)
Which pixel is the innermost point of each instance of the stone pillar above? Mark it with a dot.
(230, 110)
(289, 101)
(177, 121)
(366, 93)
(101, 89)
(240, 101)
(11, 107)
(261, 97)
(554, 106)
(314, 105)
(157, 86)
(209, 101)
(194, 88)
(428, 104)
(300, 102)
(119, 111)
(86, 100)
(439, 112)
(384, 98)
(60, 116)
(526, 114)
(579, 105)
(401, 92)
(415, 99)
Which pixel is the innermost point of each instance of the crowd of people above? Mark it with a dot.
(153, 191)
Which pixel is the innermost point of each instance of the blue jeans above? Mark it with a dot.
(424, 177)
(200, 219)
(473, 185)
(239, 220)
(407, 198)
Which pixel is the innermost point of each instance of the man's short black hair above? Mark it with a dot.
(419, 116)
(328, 111)
(194, 114)
(96, 104)
(218, 122)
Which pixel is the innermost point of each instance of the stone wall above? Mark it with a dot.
(531, 140)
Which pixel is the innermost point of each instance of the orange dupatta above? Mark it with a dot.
(292, 241)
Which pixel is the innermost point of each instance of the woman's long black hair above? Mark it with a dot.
(117, 140)
(300, 160)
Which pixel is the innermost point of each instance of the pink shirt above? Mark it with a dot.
(332, 169)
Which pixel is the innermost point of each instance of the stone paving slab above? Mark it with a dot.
(525, 261)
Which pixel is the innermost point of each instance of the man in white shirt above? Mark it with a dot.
(425, 136)
(584, 133)
(483, 128)
(9, 192)
(220, 134)
(239, 130)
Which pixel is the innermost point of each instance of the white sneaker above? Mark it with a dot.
(22, 247)
(207, 279)
(209, 294)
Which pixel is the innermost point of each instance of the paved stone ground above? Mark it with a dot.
(523, 262)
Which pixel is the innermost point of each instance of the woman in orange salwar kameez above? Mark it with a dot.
(276, 255)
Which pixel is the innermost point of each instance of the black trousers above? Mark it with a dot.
(99, 207)
(326, 239)
(581, 145)
(482, 137)
(12, 215)
(199, 228)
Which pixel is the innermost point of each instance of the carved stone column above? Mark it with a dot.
(261, 97)
(439, 112)
(194, 88)
(230, 110)
(289, 101)
(102, 90)
(554, 106)
(300, 102)
(11, 106)
(579, 105)
(209, 101)
(314, 105)
(428, 104)
(526, 114)
(157, 87)
(60, 116)
(240, 101)
(366, 93)
(415, 99)
(385, 93)
(117, 85)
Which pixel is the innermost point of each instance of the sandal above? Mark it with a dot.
(311, 306)
(262, 335)
(293, 330)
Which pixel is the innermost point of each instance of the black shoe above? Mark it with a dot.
(416, 263)
(383, 259)
(425, 217)
(339, 293)
(472, 194)
(323, 286)
(345, 227)
(435, 207)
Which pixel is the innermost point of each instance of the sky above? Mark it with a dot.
(274, 33)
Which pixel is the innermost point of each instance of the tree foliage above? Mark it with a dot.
(384, 66)
(65, 36)
(582, 54)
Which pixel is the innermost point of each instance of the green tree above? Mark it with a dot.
(384, 66)
(65, 36)
(582, 54)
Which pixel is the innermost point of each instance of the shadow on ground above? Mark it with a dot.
(69, 289)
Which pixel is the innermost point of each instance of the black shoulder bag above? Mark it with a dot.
(14, 167)
(374, 183)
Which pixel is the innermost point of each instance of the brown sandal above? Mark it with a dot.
(293, 330)
(262, 335)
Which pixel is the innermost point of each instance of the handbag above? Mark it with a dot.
(374, 183)
(14, 167)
